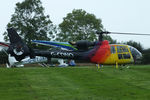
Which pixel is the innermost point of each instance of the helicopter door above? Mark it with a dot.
(123, 54)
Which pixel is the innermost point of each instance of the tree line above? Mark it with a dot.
(32, 24)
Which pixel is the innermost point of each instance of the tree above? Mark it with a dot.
(31, 23)
(3, 57)
(79, 25)
(146, 56)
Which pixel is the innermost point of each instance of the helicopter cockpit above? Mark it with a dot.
(125, 52)
(137, 55)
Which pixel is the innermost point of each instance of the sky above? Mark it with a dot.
(116, 15)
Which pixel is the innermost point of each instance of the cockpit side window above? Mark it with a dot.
(124, 56)
(123, 52)
(121, 49)
(113, 49)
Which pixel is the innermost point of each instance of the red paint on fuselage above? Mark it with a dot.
(102, 53)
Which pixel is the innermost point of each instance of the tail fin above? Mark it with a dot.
(13, 36)
(17, 47)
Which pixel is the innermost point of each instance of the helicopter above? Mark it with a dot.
(98, 52)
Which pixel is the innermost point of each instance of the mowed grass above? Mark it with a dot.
(75, 83)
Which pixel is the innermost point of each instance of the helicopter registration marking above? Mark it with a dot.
(62, 54)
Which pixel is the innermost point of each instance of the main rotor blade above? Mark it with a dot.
(127, 33)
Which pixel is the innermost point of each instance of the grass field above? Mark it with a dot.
(75, 83)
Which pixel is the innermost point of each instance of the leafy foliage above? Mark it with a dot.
(146, 56)
(79, 25)
(29, 20)
(4, 57)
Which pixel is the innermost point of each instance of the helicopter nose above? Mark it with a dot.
(137, 55)
(138, 58)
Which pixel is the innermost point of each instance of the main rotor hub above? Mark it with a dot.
(100, 37)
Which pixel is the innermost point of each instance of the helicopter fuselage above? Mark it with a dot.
(102, 53)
